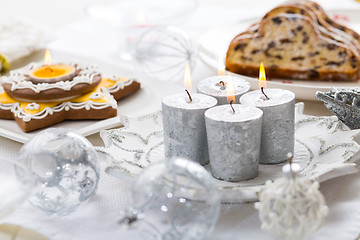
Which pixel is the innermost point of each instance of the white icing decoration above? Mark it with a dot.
(114, 104)
(27, 118)
(20, 113)
(67, 108)
(96, 95)
(33, 106)
(17, 78)
(120, 85)
(113, 78)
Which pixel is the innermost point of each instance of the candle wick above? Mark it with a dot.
(223, 85)
(49, 68)
(231, 105)
(188, 95)
(262, 90)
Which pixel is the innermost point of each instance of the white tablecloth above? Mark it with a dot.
(97, 218)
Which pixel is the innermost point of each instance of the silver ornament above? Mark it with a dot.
(344, 103)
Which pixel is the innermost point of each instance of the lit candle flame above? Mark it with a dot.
(141, 17)
(230, 89)
(221, 67)
(262, 76)
(187, 78)
(47, 58)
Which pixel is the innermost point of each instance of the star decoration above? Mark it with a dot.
(97, 104)
(328, 139)
(140, 142)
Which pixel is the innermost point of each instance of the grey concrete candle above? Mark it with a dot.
(184, 126)
(216, 87)
(234, 141)
(277, 137)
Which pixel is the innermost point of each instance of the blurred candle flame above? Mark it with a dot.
(47, 58)
(221, 67)
(262, 76)
(187, 78)
(141, 17)
(230, 89)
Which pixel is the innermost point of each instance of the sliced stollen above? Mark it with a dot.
(325, 21)
(307, 9)
(320, 12)
(308, 54)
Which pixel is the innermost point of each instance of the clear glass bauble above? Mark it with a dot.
(174, 200)
(64, 165)
(162, 52)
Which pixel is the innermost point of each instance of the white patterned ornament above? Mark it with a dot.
(291, 207)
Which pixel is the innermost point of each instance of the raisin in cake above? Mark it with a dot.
(296, 41)
(316, 14)
(325, 20)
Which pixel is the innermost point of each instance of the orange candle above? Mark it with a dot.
(52, 72)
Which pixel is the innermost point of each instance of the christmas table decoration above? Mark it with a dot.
(291, 207)
(65, 167)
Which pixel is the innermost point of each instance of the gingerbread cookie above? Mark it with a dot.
(97, 104)
(24, 84)
(120, 87)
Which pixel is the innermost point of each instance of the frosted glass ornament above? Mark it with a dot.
(173, 200)
(65, 168)
(162, 52)
(291, 207)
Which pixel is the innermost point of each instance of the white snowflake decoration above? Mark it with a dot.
(291, 207)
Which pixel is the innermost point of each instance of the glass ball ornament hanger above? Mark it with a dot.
(163, 52)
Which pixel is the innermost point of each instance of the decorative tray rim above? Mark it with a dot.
(333, 140)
